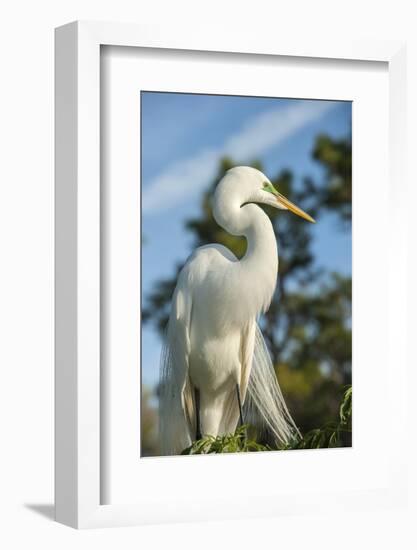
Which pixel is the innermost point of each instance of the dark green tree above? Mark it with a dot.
(336, 157)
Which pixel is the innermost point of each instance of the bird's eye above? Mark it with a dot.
(265, 184)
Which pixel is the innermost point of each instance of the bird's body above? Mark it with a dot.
(213, 339)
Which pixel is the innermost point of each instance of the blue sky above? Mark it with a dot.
(183, 138)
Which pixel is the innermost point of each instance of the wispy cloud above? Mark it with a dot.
(261, 132)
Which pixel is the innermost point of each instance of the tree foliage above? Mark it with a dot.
(229, 443)
(332, 434)
(336, 157)
(148, 418)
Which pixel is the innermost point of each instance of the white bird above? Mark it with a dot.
(214, 360)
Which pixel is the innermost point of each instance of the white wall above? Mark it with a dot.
(26, 271)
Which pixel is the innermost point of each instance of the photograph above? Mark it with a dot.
(246, 273)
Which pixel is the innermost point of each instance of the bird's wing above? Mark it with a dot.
(247, 344)
(230, 406)
(264, 397)
(176, 401)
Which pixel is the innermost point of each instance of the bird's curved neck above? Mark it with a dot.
(261, 241)
(259, 266)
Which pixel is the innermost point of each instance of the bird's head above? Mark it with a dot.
(250, 185)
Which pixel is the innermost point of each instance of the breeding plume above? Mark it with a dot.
(215, 366)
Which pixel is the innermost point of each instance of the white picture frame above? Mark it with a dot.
(78, 265)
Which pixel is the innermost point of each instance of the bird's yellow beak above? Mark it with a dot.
(292, 207)
(284, 203)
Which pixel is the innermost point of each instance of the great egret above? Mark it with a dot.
(214, 359)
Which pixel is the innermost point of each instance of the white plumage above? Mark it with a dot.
(213, 343)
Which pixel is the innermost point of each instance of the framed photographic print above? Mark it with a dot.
(223, 323)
